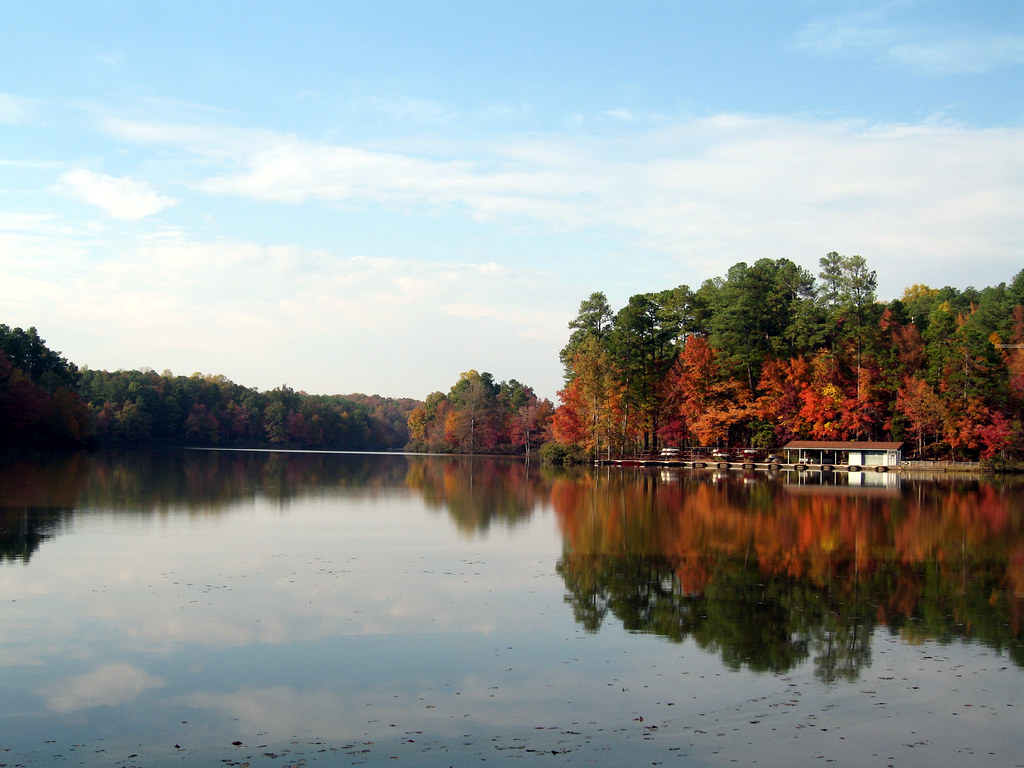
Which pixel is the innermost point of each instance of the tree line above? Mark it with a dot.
(767, 353)
(39, 400)
(770, 353)
(143, 407)
(479, 415)
(47, 401)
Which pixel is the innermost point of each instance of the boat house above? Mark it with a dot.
(862, 454)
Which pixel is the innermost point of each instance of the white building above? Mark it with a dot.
(861, 454)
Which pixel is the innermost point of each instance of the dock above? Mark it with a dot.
(656, 462)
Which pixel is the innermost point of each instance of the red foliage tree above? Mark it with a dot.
(923, 409)
(704, 399)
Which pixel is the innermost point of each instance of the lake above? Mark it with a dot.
(248, 608)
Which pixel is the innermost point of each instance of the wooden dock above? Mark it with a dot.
(774, 466)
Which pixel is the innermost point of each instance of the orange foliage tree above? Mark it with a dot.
(704, 398)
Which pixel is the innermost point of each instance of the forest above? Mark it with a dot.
(767, 353)
(770, 353)
(479, 415)
(46, 401)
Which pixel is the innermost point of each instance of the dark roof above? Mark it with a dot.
(840, 445)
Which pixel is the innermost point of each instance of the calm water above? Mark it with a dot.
(271, 609)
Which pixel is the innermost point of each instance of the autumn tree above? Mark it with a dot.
(525, 416)
(780, 401)
(1013, 357)
(921, 406)
(39, 402)
(814, 359)
(592, 323)
(479, 414)
(426, 424)
(919, 300)
(474, 399)
(708, 402)
(763, 310)
(848, 295)
(591, 400)
(643, 350)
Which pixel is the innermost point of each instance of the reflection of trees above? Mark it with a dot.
(35, 496)
(477, 490)
(967, 600)
(38, 496)
(750, 620)
(842, 646)
(200, 482)
(769, 575)
(36, 501)
(639, 591)
(764, 624)
(766, 574)
(22, 531)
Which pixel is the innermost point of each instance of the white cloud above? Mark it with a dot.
(983, 53)
(266, 315)
(14, 109)
(407, 109)
(106, 686)
(200, 139)
(122, 198)
(933, 202)
(706, 192)
(846, 32)
(26, 222)
(410, 111)
(623, 115)
(916, 47)
(294, 171)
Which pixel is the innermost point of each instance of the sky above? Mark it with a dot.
(376, 196)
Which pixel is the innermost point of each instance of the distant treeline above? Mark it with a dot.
(766, 354)
(479, 415)
(39, 401)
(46, 401)
(146, 407)
(770, 353)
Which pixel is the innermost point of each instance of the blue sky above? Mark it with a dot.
(376, 196)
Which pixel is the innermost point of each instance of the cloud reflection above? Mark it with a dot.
(292, 711)
(105, 686)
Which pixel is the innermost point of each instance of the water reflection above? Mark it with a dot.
(36, 501)
(478, 491)
(770, 574)
(39, 495)
(187, 607)
(767, 572)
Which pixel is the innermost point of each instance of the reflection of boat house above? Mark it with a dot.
(862, 454)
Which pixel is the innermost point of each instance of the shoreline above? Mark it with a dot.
(958, 467)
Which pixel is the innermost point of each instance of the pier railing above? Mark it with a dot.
(940, 465)
(720, 463)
